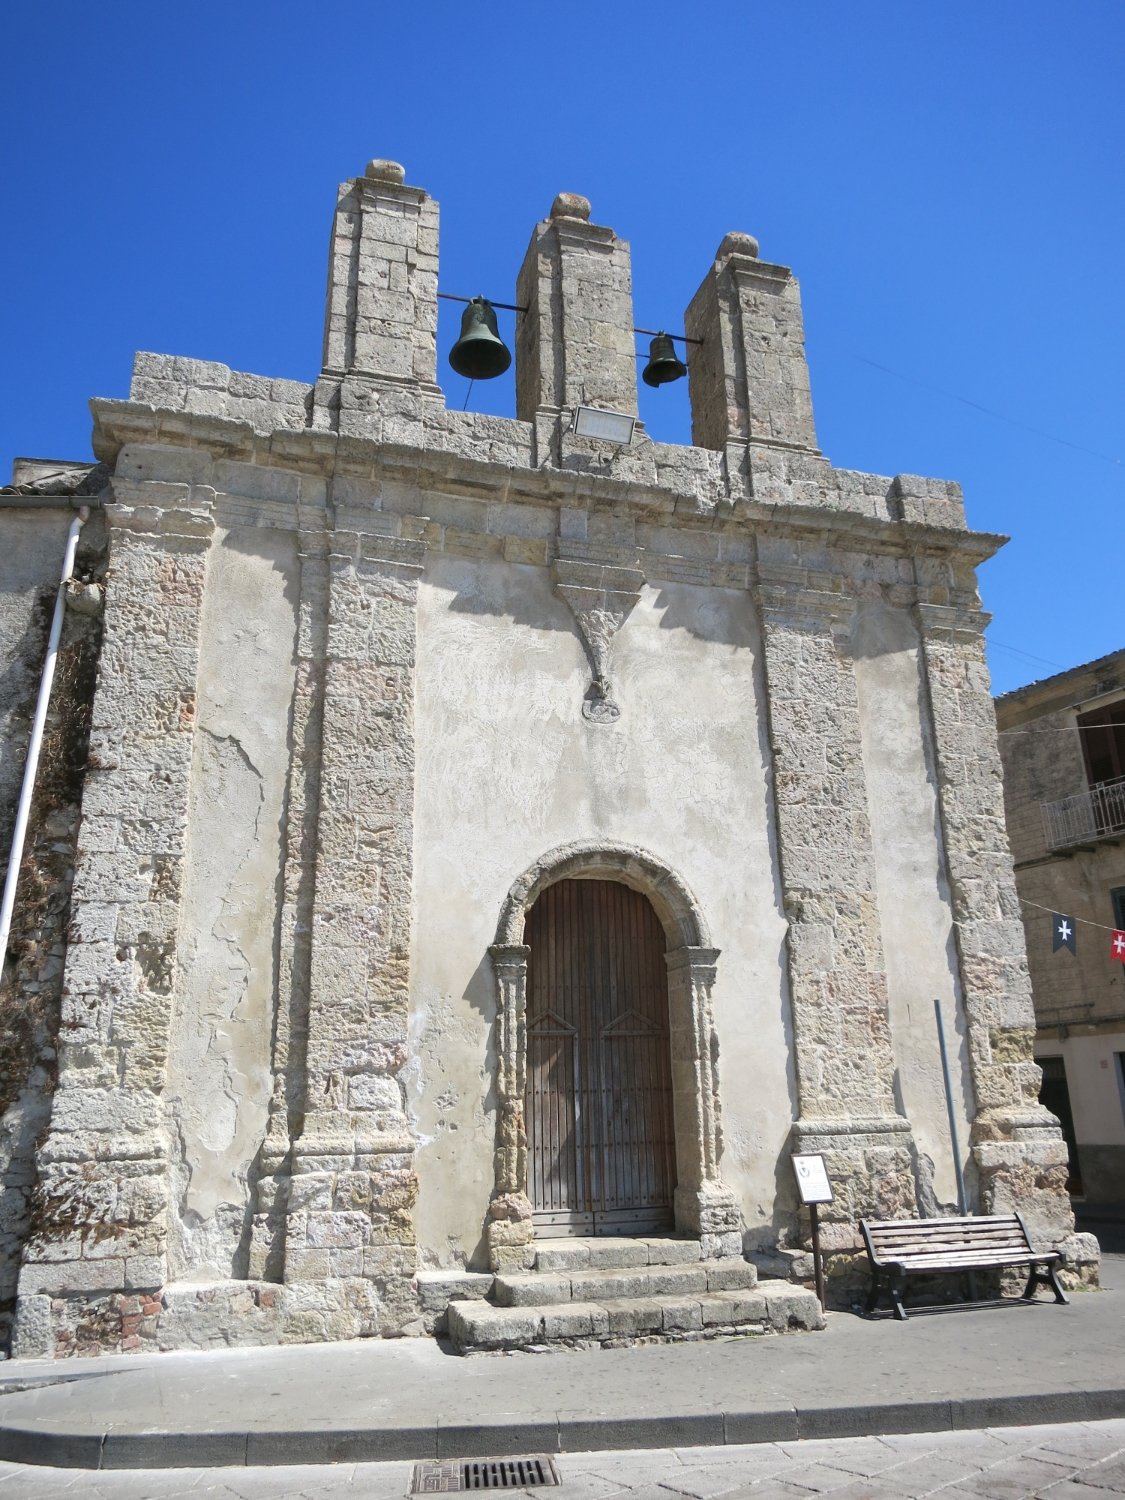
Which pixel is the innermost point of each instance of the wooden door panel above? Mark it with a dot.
(599, 1103)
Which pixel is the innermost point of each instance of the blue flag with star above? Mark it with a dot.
(1062, 933)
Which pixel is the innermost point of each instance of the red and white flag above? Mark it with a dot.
(1117, 945)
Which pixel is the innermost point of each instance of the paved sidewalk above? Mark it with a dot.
(395, 1399)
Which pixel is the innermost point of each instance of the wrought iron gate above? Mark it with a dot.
(601, 1142)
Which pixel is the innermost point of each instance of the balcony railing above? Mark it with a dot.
(1088, 817)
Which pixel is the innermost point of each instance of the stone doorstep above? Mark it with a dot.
(615, 1252)
(542, 1289)
(772, 1307)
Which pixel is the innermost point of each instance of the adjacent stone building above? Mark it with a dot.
(495, 837)
(1063, 747)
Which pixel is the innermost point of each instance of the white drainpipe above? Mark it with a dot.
(35, 744)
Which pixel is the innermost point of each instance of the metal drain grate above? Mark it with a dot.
(484, 1474)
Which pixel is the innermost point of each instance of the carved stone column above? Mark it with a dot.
(353, 1189)
(704, 1206)
(510, 1232)
(1017, 1146)
(837, 978)
(103, 1183)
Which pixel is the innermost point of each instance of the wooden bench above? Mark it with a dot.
(898, 1248)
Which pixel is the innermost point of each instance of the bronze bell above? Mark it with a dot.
(663, 363)
(480, 353)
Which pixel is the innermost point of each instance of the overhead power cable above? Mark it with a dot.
(988, 410)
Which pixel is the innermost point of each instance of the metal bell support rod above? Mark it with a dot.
(507, 306)
(657, 333)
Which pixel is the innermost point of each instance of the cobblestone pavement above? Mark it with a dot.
(1071, 1461)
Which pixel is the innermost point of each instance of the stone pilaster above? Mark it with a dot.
(837, 977)
(291, 1020)
(353, 1187)
(102, 1197)
(575, 344)
(704, 1205)
(510, 1232)
(748, 376)
(1017, 1146)
(380, 327)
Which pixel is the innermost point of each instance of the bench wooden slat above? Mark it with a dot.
(964, 1262)
(962, 1249)
(945, 1218)
(1005, 1235)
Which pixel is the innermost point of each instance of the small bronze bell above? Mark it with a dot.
(480, 353)
(663, 362)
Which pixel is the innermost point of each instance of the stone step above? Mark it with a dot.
(550, 1288)
(771, 1307)
(615, 1253)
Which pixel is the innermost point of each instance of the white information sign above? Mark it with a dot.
(812, 1179)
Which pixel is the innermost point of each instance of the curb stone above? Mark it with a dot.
(57, 1448)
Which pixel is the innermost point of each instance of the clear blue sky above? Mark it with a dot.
(946, 179)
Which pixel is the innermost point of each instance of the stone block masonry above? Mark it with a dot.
(376, 673)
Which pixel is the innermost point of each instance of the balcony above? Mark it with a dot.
(1089, 818)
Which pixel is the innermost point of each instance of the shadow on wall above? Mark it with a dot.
(720, 616)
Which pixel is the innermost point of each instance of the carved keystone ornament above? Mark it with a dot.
(601, 596)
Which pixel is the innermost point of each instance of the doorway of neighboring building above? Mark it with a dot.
(1055, 1096)
(598, 1112)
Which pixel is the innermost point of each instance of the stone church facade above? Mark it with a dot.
(407, 719)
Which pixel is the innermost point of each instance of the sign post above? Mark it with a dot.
(814, 1188)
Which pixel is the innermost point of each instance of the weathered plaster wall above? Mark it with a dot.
(219, 1064)
(508, 769)
(915, 916)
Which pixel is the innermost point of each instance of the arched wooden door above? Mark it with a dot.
(601, 1142)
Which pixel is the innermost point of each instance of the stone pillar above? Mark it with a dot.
(748, 377)
(290, 1040)
(100, 1241)
(380, 326)
(1017, 1146)
(575, 344)
(353, 1187)
(510, 1232)
(704, 1206)
(837, 978)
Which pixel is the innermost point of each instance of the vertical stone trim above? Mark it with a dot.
(1017, 1146)
(837, 977)
(748, 377)
(353, 1189)
(100, 1225)
(510, 1232)
(302, 812)
(704, 1206)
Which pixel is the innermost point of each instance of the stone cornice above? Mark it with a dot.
(326, 454)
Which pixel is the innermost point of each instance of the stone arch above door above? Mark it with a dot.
(678, 910)
(704, 1207)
